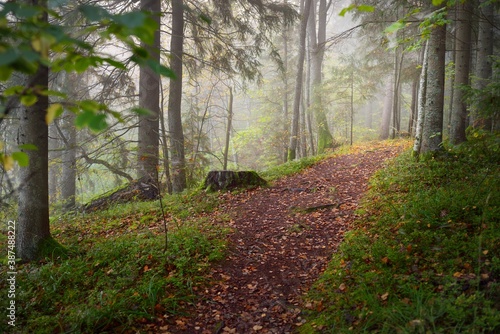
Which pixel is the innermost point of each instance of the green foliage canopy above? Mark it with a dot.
(34, 35)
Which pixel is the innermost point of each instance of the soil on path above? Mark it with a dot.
(283, 238)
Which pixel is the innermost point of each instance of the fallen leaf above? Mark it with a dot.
(384, 296)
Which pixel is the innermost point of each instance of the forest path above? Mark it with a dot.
(283, 239)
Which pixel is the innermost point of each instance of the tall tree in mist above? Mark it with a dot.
(175, 99)
(462, 59)
(317, 39)
(432, 132)
(149, 98)
(294, 133)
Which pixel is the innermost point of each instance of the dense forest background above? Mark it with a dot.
(375, 125)
(185, 87)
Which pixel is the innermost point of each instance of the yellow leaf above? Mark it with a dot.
(36, 43)
(53, 111)
(7, 162)
(384, 296)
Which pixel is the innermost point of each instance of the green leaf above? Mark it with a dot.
(29, 99)
(28, 147)
(161, 69)
(346, 10)
(142, 111)
(81, 64)
(366, 8)
(94, 13)
(8, 57)
(14, 90)
(55, 93)
(360, 8)
(140, 52)
(90, 106)
(114, 63)
(205, 18)
(26, 12)
(131, 20)
(5, 73)
(98, 122)
(394, 27)
(22, 158)
(83, 118)
(437, 2)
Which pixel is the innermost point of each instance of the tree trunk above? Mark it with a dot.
(462, 60)
(483, 71)
(54, 168)
(414, 108)
(432, 133)
(419, 126)
(228, 129)
(292, 148)
(164, 146)
(33, 210)
(396, 110)
(386, 112)
(149, 98)
(285, 90)
(175, 99)
(68, 179)
(351, 120)
(317, 51)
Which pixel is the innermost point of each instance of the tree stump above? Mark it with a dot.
(226, 180)
(138, 190)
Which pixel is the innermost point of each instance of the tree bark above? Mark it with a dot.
(432, 134)
(419, 126)
(483, 70)
(228, 129)
(68, 179)
(386, 111)
(462, 60)
(175, 99)
(285, 89)
(33, 206)
(149, 98)
(292, 148)
(317, 51)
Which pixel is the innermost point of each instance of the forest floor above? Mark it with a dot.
(282, 239)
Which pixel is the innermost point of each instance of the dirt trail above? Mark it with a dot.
(284, 236)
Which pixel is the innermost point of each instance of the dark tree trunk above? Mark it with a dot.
(317, 49)
(33, 210)
(149, 98)
(462, 60)
(432, 135)
(483, 70)
(177, 156)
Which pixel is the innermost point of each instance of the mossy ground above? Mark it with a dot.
(426, 256)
